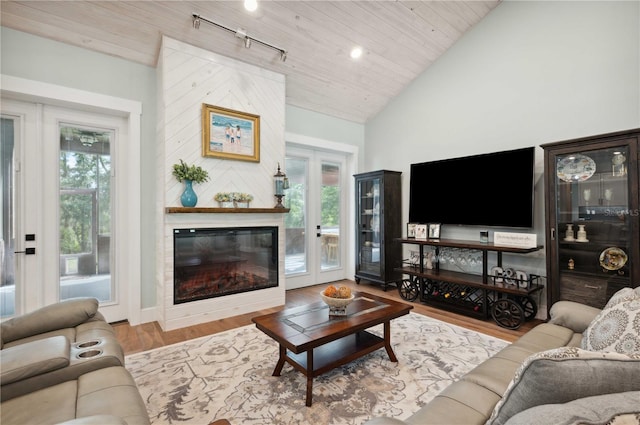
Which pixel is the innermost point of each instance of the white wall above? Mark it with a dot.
(323, 127)
(529, 73)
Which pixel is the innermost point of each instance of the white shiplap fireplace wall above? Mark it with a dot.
(188, 77)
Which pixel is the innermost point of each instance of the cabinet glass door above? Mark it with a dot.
(593, 223)
(369, 225)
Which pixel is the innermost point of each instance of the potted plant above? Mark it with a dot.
(242, 199)
(189, 174)
(225, 199)
(233, 199)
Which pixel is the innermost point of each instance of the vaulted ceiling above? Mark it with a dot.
(400, 39)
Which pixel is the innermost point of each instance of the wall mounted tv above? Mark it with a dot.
(493, 190)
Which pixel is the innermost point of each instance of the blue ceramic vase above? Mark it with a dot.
(189, 197)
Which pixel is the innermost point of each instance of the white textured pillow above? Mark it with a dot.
(617, 326)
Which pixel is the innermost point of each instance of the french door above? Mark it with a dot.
(316, 224)
(58, 226)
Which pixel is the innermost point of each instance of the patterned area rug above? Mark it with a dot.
(228, 375)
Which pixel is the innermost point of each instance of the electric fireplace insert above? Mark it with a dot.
(214, 262)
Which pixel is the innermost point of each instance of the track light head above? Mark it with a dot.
(283, 56)
(247, 42)
(196, 21)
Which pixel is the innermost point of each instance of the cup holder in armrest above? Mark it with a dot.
(88, 344)
(89, 353)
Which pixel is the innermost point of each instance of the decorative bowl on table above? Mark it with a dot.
(337, 299)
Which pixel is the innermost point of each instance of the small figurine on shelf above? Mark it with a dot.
(582, 234)
(429, 259)
(569, 233)
(572, 264)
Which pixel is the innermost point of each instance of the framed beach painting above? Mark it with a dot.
(230, 134)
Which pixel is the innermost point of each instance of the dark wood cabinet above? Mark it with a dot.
(378, 226)
(592, 217)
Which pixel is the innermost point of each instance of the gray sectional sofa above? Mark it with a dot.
(63, 364)
(582, 365)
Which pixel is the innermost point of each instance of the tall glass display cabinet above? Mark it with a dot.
(592, 217)
(378, 225)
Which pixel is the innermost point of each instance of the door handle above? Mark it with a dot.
(27, 251)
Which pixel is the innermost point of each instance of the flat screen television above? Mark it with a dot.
(494, 190)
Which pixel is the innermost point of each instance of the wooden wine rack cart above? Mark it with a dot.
(509, 300)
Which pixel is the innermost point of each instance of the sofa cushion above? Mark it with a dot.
(34, 358)
(600, 409)
(64, 314)
(111, 391)
(493, 374)
(617, 327)
(545, 336)
(106, 392)
(565, 374)
(47, 406)
(462, 402)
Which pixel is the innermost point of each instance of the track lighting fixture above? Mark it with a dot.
(239, 33)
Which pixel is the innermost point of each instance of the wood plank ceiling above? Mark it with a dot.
(400, 39)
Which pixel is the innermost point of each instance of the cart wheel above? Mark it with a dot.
(529, 306)
(507, 313)
(408, 290)
(358, 280)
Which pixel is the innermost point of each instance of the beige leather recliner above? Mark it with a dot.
(63, 363)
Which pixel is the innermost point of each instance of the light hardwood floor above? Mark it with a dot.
(150, 335)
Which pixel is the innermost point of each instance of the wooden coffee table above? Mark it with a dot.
(314, 343)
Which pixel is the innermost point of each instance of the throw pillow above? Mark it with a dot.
(617, 326)
(599, 409)
(622, 295)
(565, 374)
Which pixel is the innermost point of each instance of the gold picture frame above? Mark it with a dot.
(230, 134)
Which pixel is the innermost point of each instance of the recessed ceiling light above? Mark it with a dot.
(251, 5)
(356, 52)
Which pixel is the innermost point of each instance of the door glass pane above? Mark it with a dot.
(85, 213)
(295, 220)
(368, 192)
(7, 232)
(593, 222)
(330, 216)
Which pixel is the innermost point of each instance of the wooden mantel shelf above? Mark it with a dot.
(208, 210)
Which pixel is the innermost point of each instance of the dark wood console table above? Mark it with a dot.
(474, 295)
